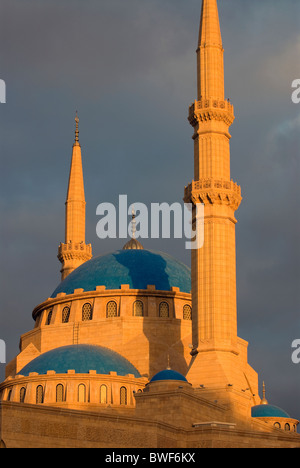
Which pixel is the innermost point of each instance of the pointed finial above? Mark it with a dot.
(77, 130)
(264, 401)
(133, 224)
(168, 368)
(133, 243)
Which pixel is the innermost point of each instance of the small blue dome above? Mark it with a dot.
(268, 411)
(81, 358)
(138, 268)
(168, 374)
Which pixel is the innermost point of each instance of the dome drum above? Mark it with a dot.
(94, 390)
(124, 297)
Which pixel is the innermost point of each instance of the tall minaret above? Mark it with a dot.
(74, 251)
(215, 340)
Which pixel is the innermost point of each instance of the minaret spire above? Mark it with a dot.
(210, 31)
(210, 63)
(75, 251)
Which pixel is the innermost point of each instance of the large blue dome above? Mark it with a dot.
(81, 358)
(138, 268)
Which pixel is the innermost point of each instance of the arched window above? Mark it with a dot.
(66, 314)
(138, 309)
(81, 393)
(103, 394)
(111, 309)
(59, 393)
(164, 310)
(39, 394)
(287, 427)
(187, 312)
(123, 396)
(49, 317)
(22, 394)
(9, 395)
(87, 312)
(277, 425)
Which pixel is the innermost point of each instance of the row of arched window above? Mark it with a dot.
(81, 394)
(287, 427)
(112, 311)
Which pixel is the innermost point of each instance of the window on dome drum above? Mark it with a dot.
(164, 310)
(9, 395)
(103, 394)
(123, 396)
(39, 394)
(59, 393)
(287, 427)
(22, 394)
(138, 309)
(66, 314)
(187, 312)
(81, 393)
(87, 312)
(277, 425)
(111, 309)
(49, 317)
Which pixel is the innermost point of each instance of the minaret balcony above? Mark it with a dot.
(211, 109)
(213, 191)
(75, 249)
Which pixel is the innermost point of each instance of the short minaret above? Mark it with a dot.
(74, 251)
(214, 326)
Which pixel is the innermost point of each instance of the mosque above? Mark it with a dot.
(134, 349)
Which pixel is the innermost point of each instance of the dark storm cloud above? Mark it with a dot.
(130, 69)
(89, 49)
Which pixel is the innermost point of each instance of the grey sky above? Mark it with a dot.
(130, 70)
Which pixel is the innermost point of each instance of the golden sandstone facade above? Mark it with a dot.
(132, 350)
